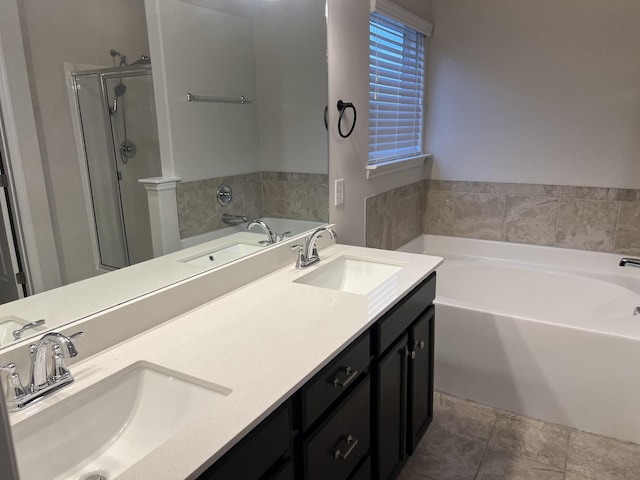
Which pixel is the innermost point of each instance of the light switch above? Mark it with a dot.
(339, 192)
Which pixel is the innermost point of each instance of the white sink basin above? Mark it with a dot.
(353, 275)
(110, 426)
(224, 254)
(10, 323)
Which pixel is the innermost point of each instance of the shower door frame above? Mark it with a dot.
(105, 74)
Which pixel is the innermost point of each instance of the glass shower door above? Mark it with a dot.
(136, 152)
(117, 113)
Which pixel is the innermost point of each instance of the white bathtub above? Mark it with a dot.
(545, 332)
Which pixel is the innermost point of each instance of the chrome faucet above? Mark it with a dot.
(632, 262)
(48, 370)
(308, 254)
(270, 235)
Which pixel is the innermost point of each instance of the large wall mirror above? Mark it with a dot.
(109, 81)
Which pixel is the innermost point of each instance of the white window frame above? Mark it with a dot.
(396, 13)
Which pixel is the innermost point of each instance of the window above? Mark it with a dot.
(396, 90)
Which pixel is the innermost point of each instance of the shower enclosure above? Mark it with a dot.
(120, 141)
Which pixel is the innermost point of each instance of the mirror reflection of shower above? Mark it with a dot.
(118, 123)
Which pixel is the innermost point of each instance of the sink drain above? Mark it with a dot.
(94, 476)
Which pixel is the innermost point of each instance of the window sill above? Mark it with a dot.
(393, 166)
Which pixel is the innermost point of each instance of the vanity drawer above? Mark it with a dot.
(335, 450)
(258, 452)
(398, 319)
(334, 379)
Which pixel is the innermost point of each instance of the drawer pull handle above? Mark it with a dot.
(419, 344)
(350, 443)
(350, 373)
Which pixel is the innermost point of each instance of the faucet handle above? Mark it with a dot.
(15, 389)
(59, 369)
(300, 255)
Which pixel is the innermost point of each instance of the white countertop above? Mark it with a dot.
(263, 341)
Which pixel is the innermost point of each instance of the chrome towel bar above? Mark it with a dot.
(213, 99)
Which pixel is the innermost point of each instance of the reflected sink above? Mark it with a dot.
(352, 274)
(111, 425)
(224, 254)
(10, 323)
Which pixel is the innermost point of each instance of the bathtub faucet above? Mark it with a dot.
(632, 262)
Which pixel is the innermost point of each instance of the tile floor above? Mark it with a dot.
(469, 441)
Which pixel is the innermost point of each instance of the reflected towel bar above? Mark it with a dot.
(202, 98)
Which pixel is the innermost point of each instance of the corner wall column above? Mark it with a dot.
(163, 213)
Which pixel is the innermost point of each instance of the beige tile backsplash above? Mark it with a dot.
(585, 218)
(299, 196)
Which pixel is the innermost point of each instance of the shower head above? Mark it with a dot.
(120, 89)
(115, 53)
(143, 60)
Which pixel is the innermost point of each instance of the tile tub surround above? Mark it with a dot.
(470, 441)
(584, 218)
(394, 217)
(299, 196)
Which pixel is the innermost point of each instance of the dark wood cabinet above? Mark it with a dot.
(360, 417)
(391, 409)
(335, 448)
(420, 408)
(266, 449)
(403, 402)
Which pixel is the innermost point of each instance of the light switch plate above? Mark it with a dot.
(339, 200)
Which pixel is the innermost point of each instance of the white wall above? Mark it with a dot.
(202, 51)
(74, 31)
(24, 154)
(291, 68)
(536, 92)
(348, 45)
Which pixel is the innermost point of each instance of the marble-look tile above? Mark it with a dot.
(479, 215)
(603, 458)
(586, 224)
(406, 219)
(532, 189)
(499, 465)
(444, 456)
(273, 199)
(378, 222)
(627, 239)
(462, 417)
(576, 476)
(438, 212)
(441, 185)
(598, 193)
(531, 220)
(533, 439)
(183, 187)
(252, 200)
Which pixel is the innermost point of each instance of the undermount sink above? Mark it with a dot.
(108, 427)
(10, 324)
(224, 254)
(352, 274)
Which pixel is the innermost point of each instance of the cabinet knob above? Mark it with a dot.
(419, 344)
(409, 353)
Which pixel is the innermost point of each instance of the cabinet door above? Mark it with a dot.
(420, 411)
(258, 452)
(391, 411)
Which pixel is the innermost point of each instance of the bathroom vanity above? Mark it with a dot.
(323, 372)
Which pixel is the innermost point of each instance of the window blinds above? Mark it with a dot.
(396, 90)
